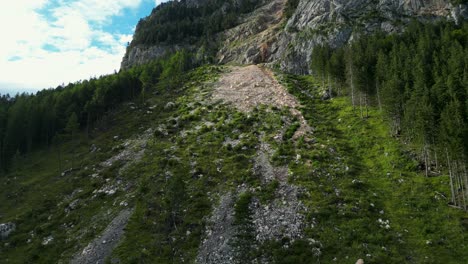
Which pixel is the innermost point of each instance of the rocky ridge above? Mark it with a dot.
(265, 35)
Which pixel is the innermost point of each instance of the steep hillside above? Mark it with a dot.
(192, 25)
(213, 144)
(232, 167)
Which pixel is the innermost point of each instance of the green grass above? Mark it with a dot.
(207, 168)
(360, 174)
(352, 172)
(35, 196)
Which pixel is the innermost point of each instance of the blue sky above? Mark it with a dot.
(49, 42)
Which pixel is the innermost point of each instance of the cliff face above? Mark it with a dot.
(264, 35)
(256, 38)
(141, 54)
(335, 21)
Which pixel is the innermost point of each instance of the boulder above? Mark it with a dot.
(6, 229)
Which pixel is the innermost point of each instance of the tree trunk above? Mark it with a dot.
(366, 101)
(88, 121)
(378, 95)
(360, 104)
(435, 156)
(462, 184)
(426, 160)
(323, 80)
(352, 88)
(465, 176)
(451, 180)
(59, 158)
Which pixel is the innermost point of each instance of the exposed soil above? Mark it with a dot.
(250, 86)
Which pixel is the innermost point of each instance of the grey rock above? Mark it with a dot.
(261, 37)
(283, 216)
(458, 13)
(169, 105)
(6, 229)
(73, 205)
(93, 148)
(317, 22)
(66, 172)
(98, 250)
(216, 247)
(326, 96)
(47, 240)
(143, 54)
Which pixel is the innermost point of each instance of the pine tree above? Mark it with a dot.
(71, 133)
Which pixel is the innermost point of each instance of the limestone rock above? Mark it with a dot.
(263, 36)
(332, 22)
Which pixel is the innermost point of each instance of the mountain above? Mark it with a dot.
(251, 131)
(265, 35)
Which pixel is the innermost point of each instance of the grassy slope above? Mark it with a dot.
(360, 174)
(35, 195)
(188, 169)
(353, 174)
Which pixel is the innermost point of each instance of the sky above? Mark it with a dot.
(46, 43)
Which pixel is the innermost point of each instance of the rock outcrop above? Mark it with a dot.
(100, 248)
(6, 229)
(336, 21)
(264, 35)
(143, 54)
(255, 39)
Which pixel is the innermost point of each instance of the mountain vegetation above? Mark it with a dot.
(419, 80)
(177, 22)
(180, 160)
(29, 122)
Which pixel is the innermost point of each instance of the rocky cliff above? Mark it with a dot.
(265, 35)
(335, 21)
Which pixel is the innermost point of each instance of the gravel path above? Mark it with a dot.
(98, 250)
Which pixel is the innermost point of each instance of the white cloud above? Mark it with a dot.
(96, 10)
(30, 28)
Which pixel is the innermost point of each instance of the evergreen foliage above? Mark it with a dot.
(418, 79)
(28, 122)
(290, 8)
(177, 22)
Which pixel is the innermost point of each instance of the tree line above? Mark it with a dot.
(176, 22)
(29, 122)
(419, 80)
